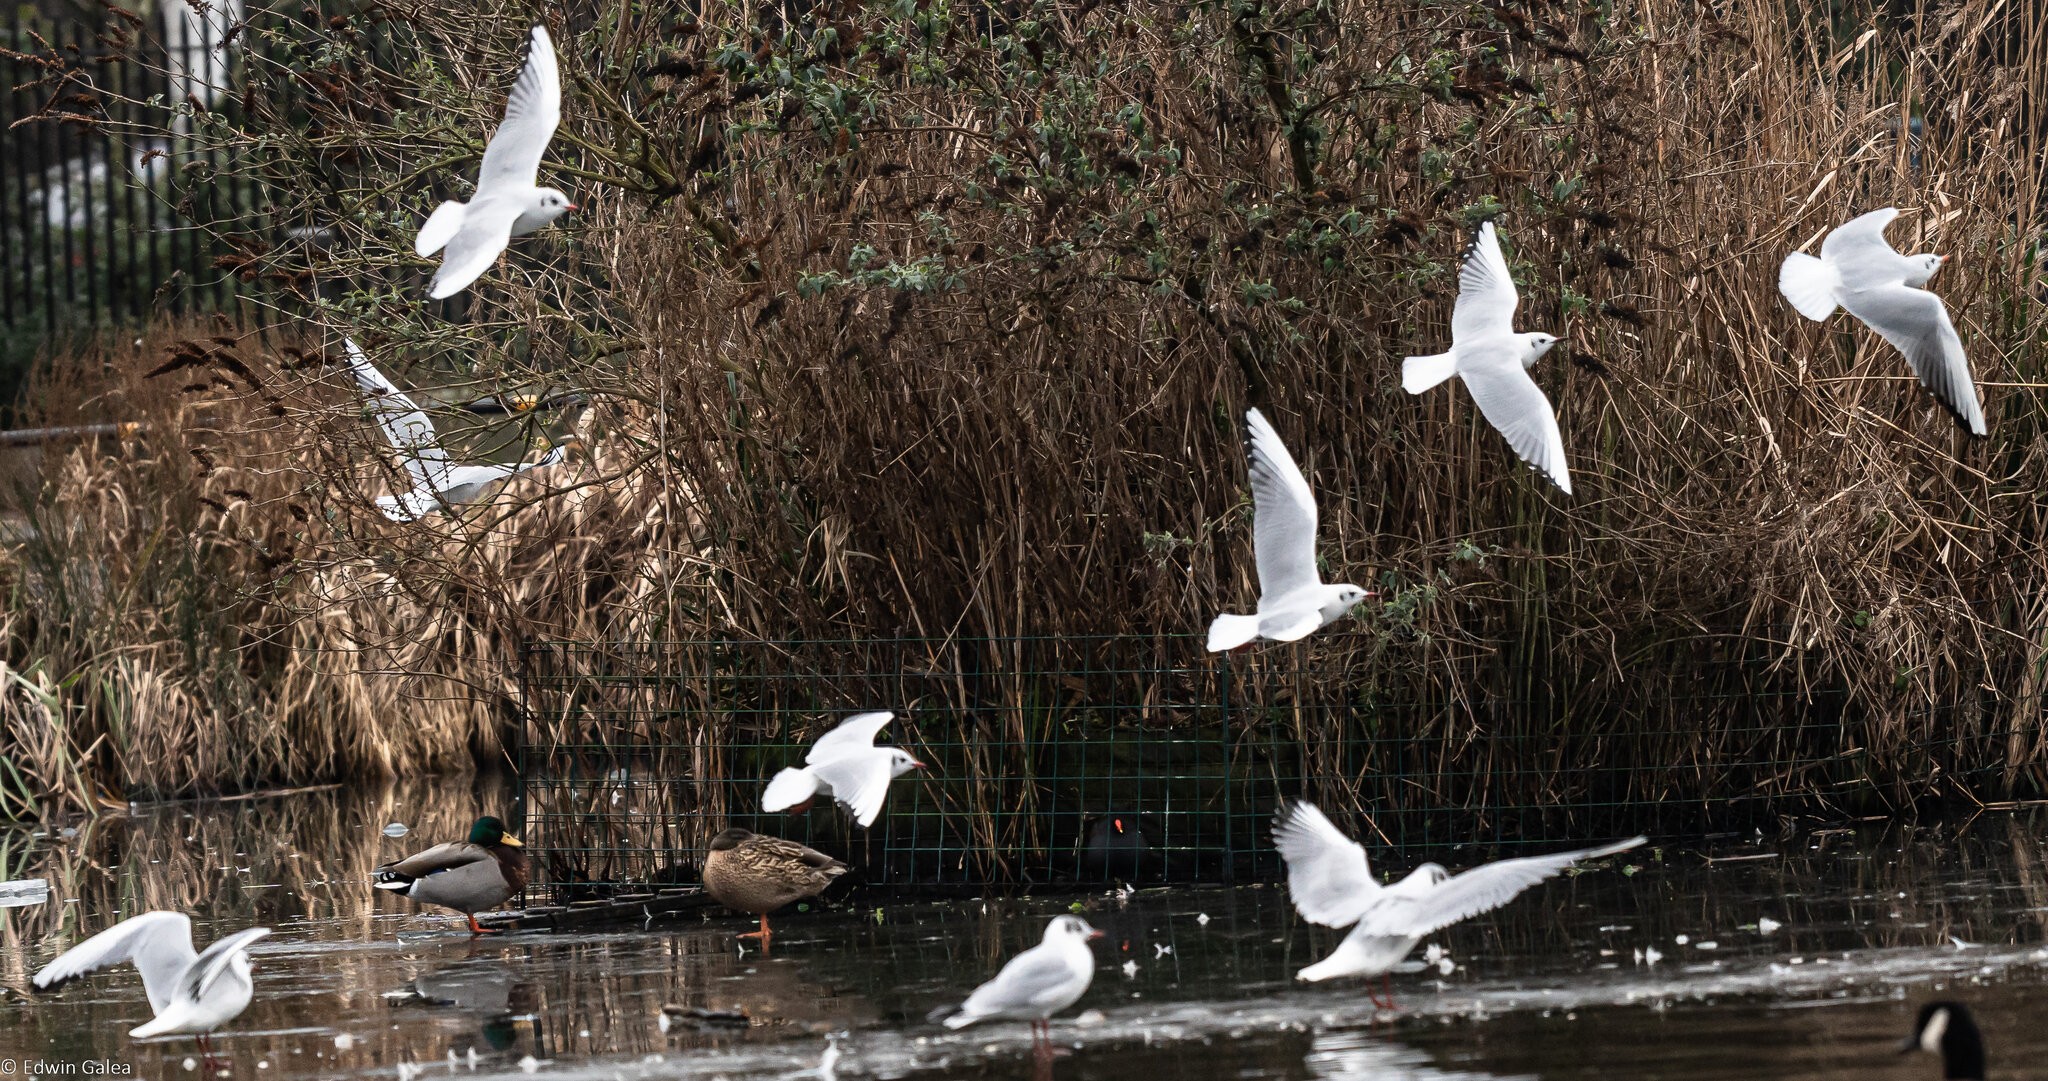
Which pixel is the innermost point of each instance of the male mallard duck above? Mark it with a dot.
(747, 872)
(469, 876)
(192, 993)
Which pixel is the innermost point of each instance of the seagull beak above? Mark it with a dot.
(570, 206)
(915, 764)
(1093, 935)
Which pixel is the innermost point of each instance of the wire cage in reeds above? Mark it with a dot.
(1101, 759)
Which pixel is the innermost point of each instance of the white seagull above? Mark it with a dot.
(436, 484)
(1494, 361)
(507, 202)
(191, 993)
(844, 765)
(1867, 276)
(1036, 984)
(1293, 601)
(1331, 885)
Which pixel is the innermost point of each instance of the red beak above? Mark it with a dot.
(915, 764)
(1093, 935)
(571, 206)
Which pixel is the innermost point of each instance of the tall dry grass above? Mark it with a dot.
(938, 319)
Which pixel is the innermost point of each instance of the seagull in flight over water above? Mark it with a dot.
(508, 201)
(1864, 274)
(1330, 883)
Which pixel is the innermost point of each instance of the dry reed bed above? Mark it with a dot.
(940, 323)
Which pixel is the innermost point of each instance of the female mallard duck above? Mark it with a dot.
(469, 877)
(750, 873)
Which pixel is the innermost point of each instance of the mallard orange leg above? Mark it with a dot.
(765, 934)
(476, 928)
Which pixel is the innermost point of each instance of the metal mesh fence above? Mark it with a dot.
(1091, 760)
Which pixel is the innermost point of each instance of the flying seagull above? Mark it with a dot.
(507, 202)
(1293, 601)
(192, 993)
(1035, 984)
(436, 484)
(1331, 885)
(1494, 361)
(844, 765)
(1867, 276)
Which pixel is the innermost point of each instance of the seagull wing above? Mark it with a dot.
(1515, 405)
(1486, 291)
(208, 968)
(405, 425)
(1032, 980)
(1860, 237)
(1283, 515)
(486, 229)
(159, 944)
(854, 734)
(1481, 889)
(1917, 322)
(1326, 871)
(532, 113)
(859, 782)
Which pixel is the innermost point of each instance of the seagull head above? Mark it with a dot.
(1343, 597)
(1070, 928)
(1539, 343)
(1924, 267)
(552, 203)
(901, 763)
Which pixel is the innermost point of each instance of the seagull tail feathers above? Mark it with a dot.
(1329, 968)
(1421, 373)
(789, 788)
(1229, 631)
(155, 1026)
(1810, 285)
(440, 228)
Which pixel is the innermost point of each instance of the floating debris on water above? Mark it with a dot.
(397, 829)
(1766, 925)
(1130, 970)
(23, 892)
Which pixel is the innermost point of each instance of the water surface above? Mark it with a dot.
(1192, 984)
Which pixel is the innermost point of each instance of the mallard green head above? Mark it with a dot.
(490, 833)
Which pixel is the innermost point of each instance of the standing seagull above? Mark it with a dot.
(1036, 984)
(1293, 601)
(507, 202)
(435, 483)
(844, 765)
(191, 993)
(1862, 273)
(1494, 361)
(1331, 885)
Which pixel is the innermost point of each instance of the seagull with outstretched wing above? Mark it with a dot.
(845, 766)
(1494, 361)
(192, 993)
(1861, 272)
(1331, 884)
(1293, 599)
(437, 483)
(508, 201)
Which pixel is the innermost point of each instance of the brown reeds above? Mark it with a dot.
(922, 321)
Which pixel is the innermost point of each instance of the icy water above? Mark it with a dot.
(1192, 984)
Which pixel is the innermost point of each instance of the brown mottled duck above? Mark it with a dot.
(752, 873)
(468, 876)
